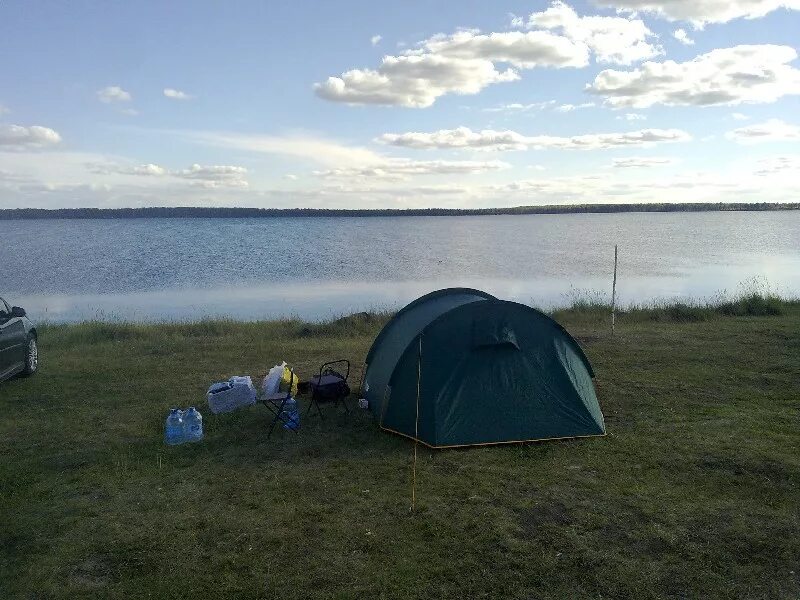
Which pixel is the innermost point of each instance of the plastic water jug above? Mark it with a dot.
(193, 425)
(173, 428)
(291, 415)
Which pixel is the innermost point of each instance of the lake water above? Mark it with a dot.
(316, 268)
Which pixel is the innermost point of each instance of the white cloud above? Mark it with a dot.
(9, 176)
(375, 39)
(344, 161)
(739, 116)
(149, 169)
(524, 50)
(4, 110)
(205, 176)
(113, 93)
(517, 107)
(468, 61)
(612, 187)
(177, 94)
(59, 179)
(700, 12)
(55, 166)
(634, 162)
(214, 176)
(770, 131)
(612, 39)
(17, 137)
(290, 177)
(129, 112)
(314, 149)
(367, 191)
(683, 37)
(779, 165)
(632, 117)
(609, 186)
(412, 81)
(726, 76)
(108, 168)
(402, 168)
(463, 137)
(66, 187)
(571, 107)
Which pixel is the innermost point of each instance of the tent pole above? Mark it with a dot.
(416, 431)
(361, 381)
(614, 294)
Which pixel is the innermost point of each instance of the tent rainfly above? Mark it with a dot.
(459, 367)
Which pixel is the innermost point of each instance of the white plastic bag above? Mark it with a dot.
(220, 397)
(272, 381)
(229, 395)
(246, 390)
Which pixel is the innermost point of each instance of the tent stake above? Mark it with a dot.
(614, 294)
(416, 432)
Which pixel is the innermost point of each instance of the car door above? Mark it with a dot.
(12, 341)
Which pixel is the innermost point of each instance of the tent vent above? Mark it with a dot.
(486, 332)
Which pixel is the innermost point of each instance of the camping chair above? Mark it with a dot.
(276, 403)
(330, 385)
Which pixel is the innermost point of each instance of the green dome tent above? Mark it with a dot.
(459, 367)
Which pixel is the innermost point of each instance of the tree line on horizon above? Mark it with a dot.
(234, 212)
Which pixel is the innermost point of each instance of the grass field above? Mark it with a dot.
(694, 492)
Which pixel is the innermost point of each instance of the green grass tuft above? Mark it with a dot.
(753, 299)
(752, 305)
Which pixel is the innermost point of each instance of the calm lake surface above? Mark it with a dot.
(317, 268)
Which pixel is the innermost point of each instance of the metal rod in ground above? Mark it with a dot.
(614, 294)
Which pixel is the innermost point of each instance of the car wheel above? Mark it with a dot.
(31, 358)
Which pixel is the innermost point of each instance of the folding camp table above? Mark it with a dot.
(330, 385)
(276, 403)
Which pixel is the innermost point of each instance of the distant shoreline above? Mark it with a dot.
(186, 212)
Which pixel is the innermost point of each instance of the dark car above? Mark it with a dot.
(19, 353)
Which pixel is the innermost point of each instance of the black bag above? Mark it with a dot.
(331, 386)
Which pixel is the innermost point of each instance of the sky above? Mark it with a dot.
(363, 104)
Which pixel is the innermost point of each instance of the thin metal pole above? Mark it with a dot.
(614, 294)
(416, 431)
(361, 381)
